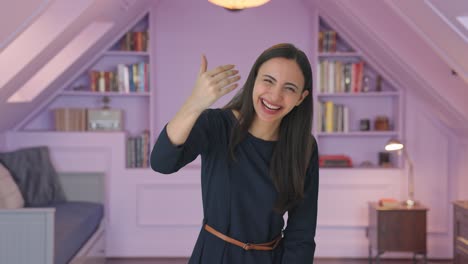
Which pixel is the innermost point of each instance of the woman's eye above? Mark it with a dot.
(291, 89)
(268, 81)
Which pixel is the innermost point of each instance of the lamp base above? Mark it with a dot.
(410, 203)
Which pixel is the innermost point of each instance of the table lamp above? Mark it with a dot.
(396, 145)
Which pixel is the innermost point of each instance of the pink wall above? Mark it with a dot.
(460, 169)
(2, 142)
(186, 29)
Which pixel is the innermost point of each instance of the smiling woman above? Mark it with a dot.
(259, 160)
(276, 91)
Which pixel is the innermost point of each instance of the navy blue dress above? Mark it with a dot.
(238, 197)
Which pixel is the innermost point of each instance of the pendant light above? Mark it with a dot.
(238, 4)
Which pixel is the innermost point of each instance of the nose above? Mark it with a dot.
(276, 93)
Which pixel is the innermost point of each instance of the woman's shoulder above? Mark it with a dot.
(221, 114)
(219, 123)
(219, 117)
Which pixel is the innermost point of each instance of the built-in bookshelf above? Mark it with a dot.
(116, 85)
(356, 109)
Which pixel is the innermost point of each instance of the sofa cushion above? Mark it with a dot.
(37, 179)
(10, 195)
(75, 223)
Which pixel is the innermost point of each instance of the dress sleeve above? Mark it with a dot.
(167, 158)
(299, 235)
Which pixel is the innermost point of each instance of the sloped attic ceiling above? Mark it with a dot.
(51, 31)
(392, 42)
(19, 17)
(430, 19)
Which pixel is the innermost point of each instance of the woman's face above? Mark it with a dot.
(278, 89)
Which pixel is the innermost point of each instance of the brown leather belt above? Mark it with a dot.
(246, 246)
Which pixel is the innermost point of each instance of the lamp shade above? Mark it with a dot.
(393, 145)
(238, 4)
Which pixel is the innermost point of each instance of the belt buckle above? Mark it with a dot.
(246, 246)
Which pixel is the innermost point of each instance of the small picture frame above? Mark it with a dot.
(105, 120)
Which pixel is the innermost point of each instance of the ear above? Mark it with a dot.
(303, 96)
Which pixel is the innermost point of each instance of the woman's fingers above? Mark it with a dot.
(229, 89)
(224, 75)
(219, 69)
(204, 64)
(227, 81)
(220, 77)
(211, 85)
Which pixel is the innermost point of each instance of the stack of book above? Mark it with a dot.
(327, 41)
(134, 41)
(340, 77)
(126, 78)
(389, 203)
(138, 150)
(70, 119)
(333, 117)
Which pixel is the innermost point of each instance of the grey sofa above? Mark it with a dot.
(49, 229)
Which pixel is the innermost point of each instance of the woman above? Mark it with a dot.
(259, 160)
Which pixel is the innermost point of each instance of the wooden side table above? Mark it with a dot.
(399, 228)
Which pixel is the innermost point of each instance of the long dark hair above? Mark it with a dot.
(292, 151)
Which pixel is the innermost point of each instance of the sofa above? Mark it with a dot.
(38, 224)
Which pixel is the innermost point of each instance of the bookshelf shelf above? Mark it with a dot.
(339, 54)
(357, 168)
(360, 94)
(89, 93)
(126, 53)
(118, 79)
(351, 94)
(358, 134)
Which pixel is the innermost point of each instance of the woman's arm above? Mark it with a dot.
(209, 87)
(172, 149)
(299, 235)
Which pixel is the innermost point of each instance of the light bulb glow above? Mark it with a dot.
(238, 4)
(394, 146)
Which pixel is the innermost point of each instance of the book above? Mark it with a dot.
(389, 202)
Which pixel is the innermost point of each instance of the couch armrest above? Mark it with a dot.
(27, 235)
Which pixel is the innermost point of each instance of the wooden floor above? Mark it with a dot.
(317, 261)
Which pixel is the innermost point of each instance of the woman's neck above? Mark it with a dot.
(264, 130)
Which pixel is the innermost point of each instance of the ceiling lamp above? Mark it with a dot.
(238, 4)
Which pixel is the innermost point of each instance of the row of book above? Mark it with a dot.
(340, 77)
(333, 117)
(87, 119)
(134, 41)
(138, 148)
(126, 78)
(70, 119)
(327, 41)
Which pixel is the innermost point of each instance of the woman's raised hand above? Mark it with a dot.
(213, 84)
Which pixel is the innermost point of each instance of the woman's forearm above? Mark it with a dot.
(178, 129)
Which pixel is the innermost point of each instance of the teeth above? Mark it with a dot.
(269, 106)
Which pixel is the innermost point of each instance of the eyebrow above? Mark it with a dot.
(271, 77)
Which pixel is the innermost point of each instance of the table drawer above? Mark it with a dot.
(462, 244)
(461, 232)
(461, 225)
(461, 255)
(461, 215)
